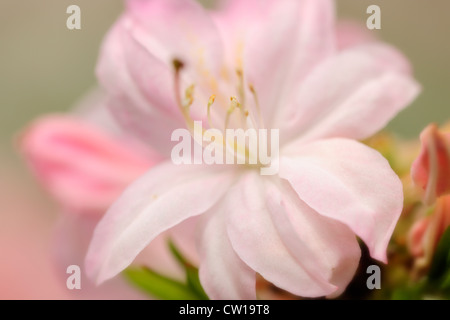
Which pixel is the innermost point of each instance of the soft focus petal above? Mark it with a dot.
(136, 66)
(416, 237)
(350, 34)
(292, 37)
(159, 200)
(352, 95)
(222, 273)
(431, 170)
(83, 167)
(257, 242)
(325, 246)
(92, 108)
(347, 181)
(426, 233)
(151, 114)
(70, 244)
(178, 29)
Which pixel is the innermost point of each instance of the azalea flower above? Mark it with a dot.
(254, 64)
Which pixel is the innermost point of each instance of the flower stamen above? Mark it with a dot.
(210, 103)
(257, 107)
(240, 86)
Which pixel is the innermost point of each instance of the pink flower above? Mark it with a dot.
(427, 232)
(83, 167)
(278, 61)
(431, 170)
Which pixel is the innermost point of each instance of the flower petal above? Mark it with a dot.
(325, 246)
(69, 246)
(162, 198)
(84, 168)
(150, 114)
(255, 239)
(352, 95)
(179, 29)
(292, 37)
(136, 66)
(347, 181)
(350, 34)
(431, 169)
(222, 273)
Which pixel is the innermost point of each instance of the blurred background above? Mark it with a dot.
(44, 67)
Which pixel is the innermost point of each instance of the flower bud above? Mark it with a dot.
(427, 232)
(431, 170)
(84, 168)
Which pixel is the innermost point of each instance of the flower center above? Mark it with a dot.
(241, 129)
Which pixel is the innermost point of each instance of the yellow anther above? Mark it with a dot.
(211, 100)
(177, 64)
(210, 103)
(240, 86)
(235, 103)
(252, 88)
(189, 96)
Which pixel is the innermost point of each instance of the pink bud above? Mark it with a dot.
(83, 167)
(427, 232)
(431, 170)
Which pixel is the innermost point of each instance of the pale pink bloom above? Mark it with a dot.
(431, 169)
(85, 163)
(279, 58)
(427, 232)
(83, 167)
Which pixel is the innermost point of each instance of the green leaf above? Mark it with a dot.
(441, 260)
(177, 255)
(193, 280)
(194, 283)
(446, 282)
(411, 291)
(159, 286)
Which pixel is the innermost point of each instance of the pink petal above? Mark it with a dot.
(70, 244)
(92, 108)
(326, 247)
(350, 34)
(347, 181)
(222, 273)
(292, 37)
(431, 169)
(83, 167)
(416, 237)
(136, 65)
(352, 95)
(162, 198)
(151, 114)
(257, 242)
(178, 29)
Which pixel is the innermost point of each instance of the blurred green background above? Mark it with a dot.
(44, 67)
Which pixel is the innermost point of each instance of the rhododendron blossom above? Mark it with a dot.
(265, 65)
